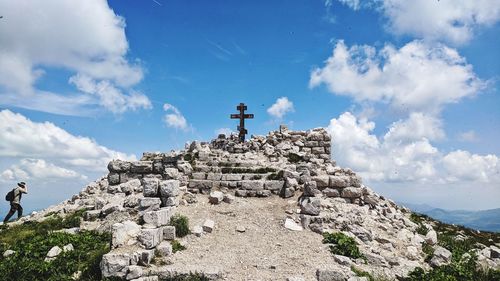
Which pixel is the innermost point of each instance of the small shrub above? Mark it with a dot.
(188, 157)
(342, 245)
(176, 246)
(181, 224)
(422, 230)
(428, 250)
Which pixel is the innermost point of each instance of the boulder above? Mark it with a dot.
(273, 185)
(322, 181)
(431, 237)
(339, 181)
(164, 249)
(134, 271)
(119, 166)
(311, 189)
(171, 173)
(228, 198)
(113, 178)
(441, 256)
(8, 253)
(123, 232)
(197, 230)
(331, 192)
(68, 248)
(53, 253)
(352, 192)
(216, 197)
(330, 275)
(115, 264)
(310, 206)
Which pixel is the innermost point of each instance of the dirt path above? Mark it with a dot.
(265, 251)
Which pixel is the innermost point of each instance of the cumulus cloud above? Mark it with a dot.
(22, 138)
(38, 169)
(469, 136)
(452, 21)
(281, 107)
(416, 77)
(174, 118)
(85, 38)
(399, 157)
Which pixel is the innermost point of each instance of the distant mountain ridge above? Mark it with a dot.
(485, 220)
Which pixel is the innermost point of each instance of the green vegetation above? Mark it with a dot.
(275, 176)
(181, 224)
(294, 158)
(32, 240)
(190, 277)
(342, 245)
(362, 273)
(176, 246)
(462, 267)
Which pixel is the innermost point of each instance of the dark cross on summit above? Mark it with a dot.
(242, 116)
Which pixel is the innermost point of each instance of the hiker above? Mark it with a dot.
(15, 201)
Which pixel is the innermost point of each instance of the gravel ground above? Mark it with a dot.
(265, 251)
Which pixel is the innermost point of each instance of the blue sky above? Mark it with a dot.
(408, 91)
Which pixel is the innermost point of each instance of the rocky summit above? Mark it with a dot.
(274, 207)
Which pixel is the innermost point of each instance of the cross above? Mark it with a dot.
(242, 116)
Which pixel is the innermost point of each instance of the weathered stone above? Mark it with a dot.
(164, 249)
(144, 256)
(169, 232)
(149, 203)
(200, 184)
(170, 201)
(352, 192)
(431, 237)
(263, 193)
(169, 188)
(150, 237)
(115, 264)
(228, 198)
(53, 253)
(111, 208)
(216, 197)
(158, 218)
(146, 278)
(494, 252)
(131, 186)
(240, 228)
(119, 166)
(252, 185)
(241, 193)
(185, 168)
(141, 167)
(134, 271)
(311, 189)
(287, 192)
(330, 192)
(208, 225)
(292, 225)
(91, 215)
(273, 185)
(330, 275)
(197, 230)
(8, 253)
(339, 181)
(171, 173)
(310, 206)
(157, 167)
(113, 178)
(441, 256)
(291, 183)
(321, 181)
(318, 150)
(123, 232)
(68, 248)
(150, 187)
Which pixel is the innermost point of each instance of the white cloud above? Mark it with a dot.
(225, 131)
(85, 38)
(409, 159)
(174, 118)
(469, 136)
(38, 169)
(22, 138)
(281, 107)
(416, 77)
(453, 21)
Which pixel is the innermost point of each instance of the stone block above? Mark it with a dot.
(119, 166)
(157, 167)
(214, 176)
(150, 237)
(169, 232)
(150, 187)
(164, 249)
(115, 264)
(252, 185)
(169, 188)
(318, 150)
(331, 192)
(273, 185)
(200, 184)
(330, 275)
(141, 167)
(123, 232)
(208, 225)
(149, 203)
(241, 193)
(216, 197)
(339, 181)
(310, 206)
(311, 189)
(158, 218)
(144, 256)
(322, 181)
(171, 173)
(352, 192)
(263, 193)
(228, 198)
(232, 177)
(113, 178)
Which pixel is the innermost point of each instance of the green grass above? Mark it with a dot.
(342, 245)
(459, 269)
(31, 241)
(176, 246)
(181, 224)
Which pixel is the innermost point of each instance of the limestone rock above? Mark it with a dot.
(169, 232)
(208, 225)
(68, 248)
(115, 264)
(431, 237)
(8, 253)
(164, 249)
(441, 256)
(158, 218)
(292, 225)
(197, 230)
(352, 192)
(53, 253)
(150, 187)
(169, 188)
(149, 203)
(228, 198)
(216, 197)
(150, 238)
(123, 232)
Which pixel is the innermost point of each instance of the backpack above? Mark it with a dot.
(10, 196)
